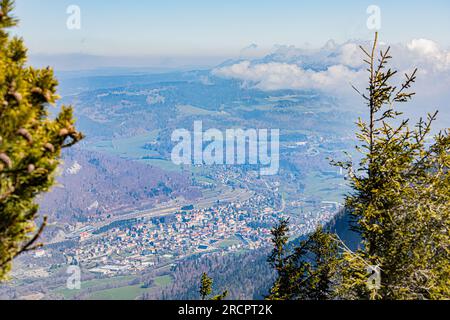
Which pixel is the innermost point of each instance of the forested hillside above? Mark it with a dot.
(244, 275)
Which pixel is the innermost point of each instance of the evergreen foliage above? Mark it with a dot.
(309, 272)
(30, 142)
(401, 191)
(399, 204)
(206, 289)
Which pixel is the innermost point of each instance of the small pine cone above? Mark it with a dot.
(63, 132)
(49, 147)
(6, 160)
(36, 90)
(48, 96)
(25, 134)
(31, 168)
(17, 96)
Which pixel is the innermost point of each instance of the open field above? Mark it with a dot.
(122, 292)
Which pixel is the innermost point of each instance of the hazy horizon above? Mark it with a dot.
(174, 34)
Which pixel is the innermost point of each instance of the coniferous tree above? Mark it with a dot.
(30, 142)
(206, 289)
(279, 261)
(400, 200)
(205, 286)
(309, 272)
(400, 205)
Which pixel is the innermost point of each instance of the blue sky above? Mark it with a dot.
(208, 27)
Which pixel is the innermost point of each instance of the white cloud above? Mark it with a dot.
(333, 68)
(428, 54)
(350, 55)
(276, 76)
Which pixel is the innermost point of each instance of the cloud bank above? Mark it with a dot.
(280, 75)
(334, 67)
